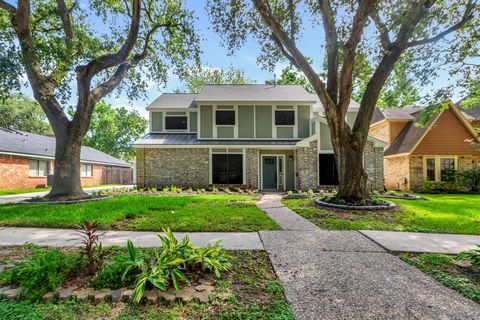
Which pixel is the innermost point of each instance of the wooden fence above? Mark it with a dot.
(116, 175)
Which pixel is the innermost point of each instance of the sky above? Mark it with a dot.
(214, 55)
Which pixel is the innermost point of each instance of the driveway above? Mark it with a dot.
(24, 196)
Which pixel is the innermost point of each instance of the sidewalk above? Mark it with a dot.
(345, 275)
(423, 242)
(24, 196)
(69, 237)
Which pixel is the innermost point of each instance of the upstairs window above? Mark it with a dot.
(176, 122)
(225, 118)
(284, 118)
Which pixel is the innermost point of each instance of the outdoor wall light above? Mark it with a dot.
(290, 158)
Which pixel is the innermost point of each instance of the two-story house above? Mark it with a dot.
(262, 136)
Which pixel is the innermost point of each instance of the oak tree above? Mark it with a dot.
(382, 31)
(84, 50)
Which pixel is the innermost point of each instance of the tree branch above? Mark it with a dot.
(365, 7)
(468, 15)
(382, 29)
(297, 57)
(64, 13)
(7, 6)
(331, 40)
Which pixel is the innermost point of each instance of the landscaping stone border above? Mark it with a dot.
(92, 199)
(401, 197)
(388, 206)
(200, 292)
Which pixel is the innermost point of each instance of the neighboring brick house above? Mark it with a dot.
(261, 136)
(418, 153)
(26, 159)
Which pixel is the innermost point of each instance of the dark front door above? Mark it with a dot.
(327, 170)
(269, 172)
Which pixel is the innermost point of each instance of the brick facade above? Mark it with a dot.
(307, 167)
(175, 166)
(373, 164)
(14, 174)
(252, 161)
(190, 166)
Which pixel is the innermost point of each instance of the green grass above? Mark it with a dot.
(247, 288)
(136, 212)
(450, 213)
(19, 191)
(442, 268)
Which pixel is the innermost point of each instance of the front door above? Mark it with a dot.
(269, 172)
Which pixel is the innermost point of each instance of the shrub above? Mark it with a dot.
(289, 192)
(469, 179)
(173, 188)
(44, 271)
(189, 190)
(165, 190)
(170, 263)
(310, 192)
(227, 190)
(214, 189)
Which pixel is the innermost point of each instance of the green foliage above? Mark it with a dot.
(92, 247)
(469, 179)
(441, 268)
(291, 75)
(471, 255)
(171, 262)
(113, 130)
(275, 287)
(22, 113)
(44, 271)
(113, 275)
(197, 77)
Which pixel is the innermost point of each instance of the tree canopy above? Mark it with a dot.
(113, 130)
(21, 112)
(196, 78)
(421, 37)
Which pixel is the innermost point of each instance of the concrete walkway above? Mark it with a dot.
(345, 275)
(69, 237)
(24, 196)
(423, 242)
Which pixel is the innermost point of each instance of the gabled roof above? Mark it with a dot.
(318, 106)
(174, 100)
(411, 135)
(31, 145)
(254, 93)
(405, 113)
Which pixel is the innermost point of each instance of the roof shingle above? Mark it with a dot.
(14, 141)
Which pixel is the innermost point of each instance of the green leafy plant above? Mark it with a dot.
(472, 255)
(211, 257)
(165, 190)
(214, 190)
(89, 235)
(173, 188)
(289, 192)
(469, 179)
(112, 274)
(44, 271)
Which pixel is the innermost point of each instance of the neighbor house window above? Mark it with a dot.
(227, 168)
(284, 118)
(225, 118)
(38, 168)
(176, 123)
(431, 169)
(447, 169)
(86, 170)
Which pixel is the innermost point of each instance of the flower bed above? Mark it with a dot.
(88, 198)
(176, 271)
(369, 205)
(404, 196)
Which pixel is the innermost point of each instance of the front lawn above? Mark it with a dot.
(449, 213)
(462, 278)
(135, 212)
(20, 191)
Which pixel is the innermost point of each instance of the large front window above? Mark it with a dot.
(227, 168)
(440, 168)
(86, 170)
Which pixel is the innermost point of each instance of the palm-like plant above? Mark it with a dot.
(92, 247)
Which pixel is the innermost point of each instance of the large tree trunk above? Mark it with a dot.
(66, 178)
(351, 173)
